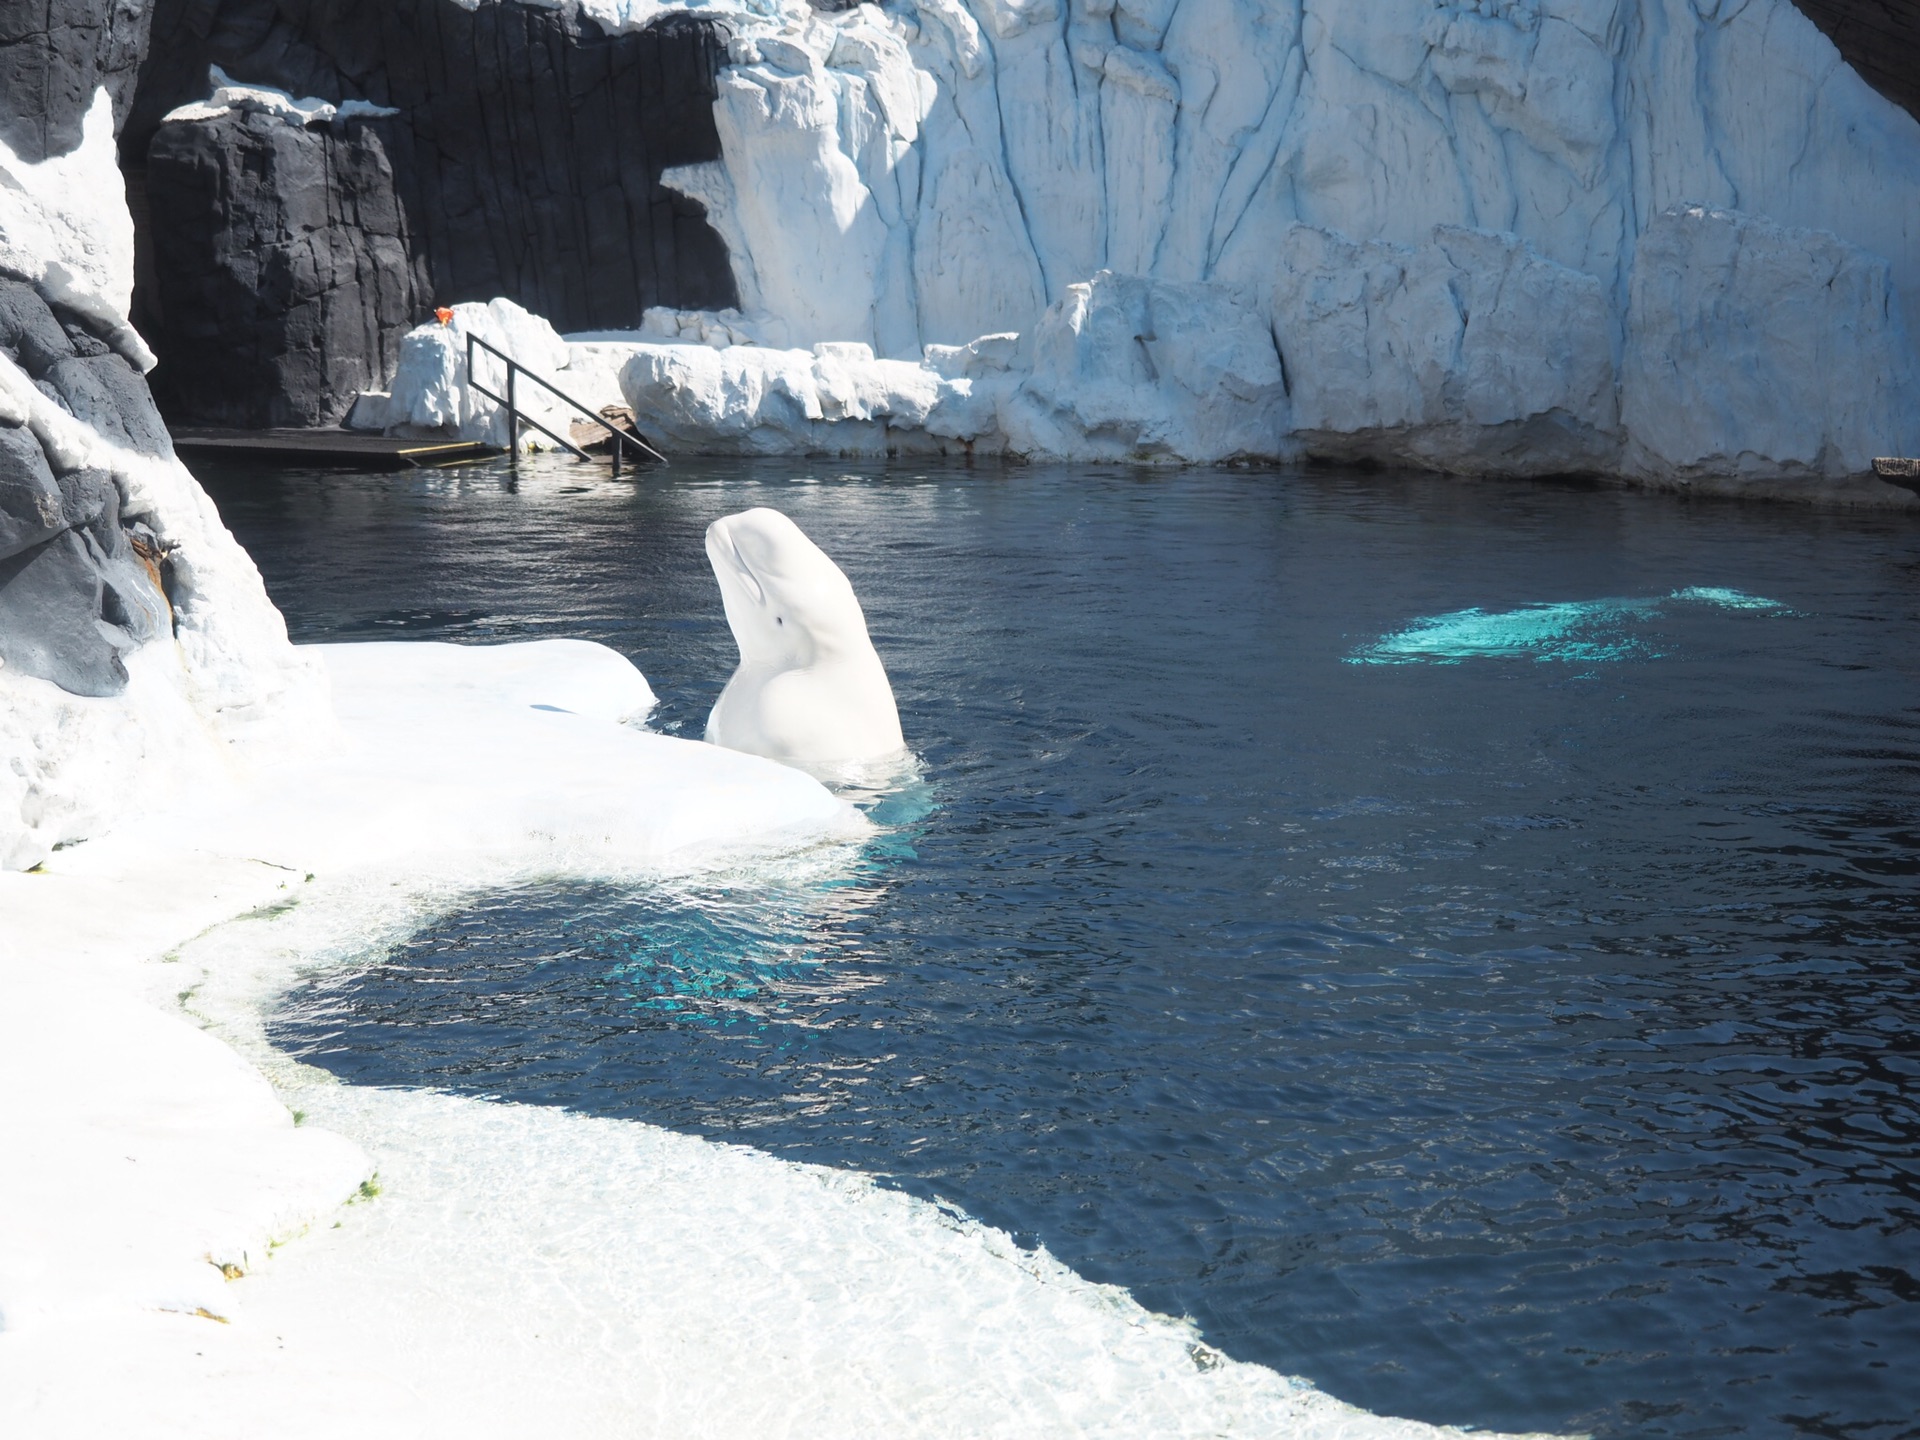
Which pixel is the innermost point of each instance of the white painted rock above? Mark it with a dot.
(931, 171)
(752, 400)
(810, 691)
(1763, 353)
(430, 389)
(1468, 353)
(1133, 369)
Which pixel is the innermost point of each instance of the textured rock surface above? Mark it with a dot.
(1469, 353)
(54, 56)
(1762, 354)
(284, 267)
(1132, 369)
(970, 160)
(75, 595)
(525, 161)
(138, 650)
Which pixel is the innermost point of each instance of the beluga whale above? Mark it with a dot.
(810, 690)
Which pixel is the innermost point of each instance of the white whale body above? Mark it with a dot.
(810, 691)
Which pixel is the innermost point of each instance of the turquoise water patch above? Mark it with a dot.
(1565, 631)
(760, 954)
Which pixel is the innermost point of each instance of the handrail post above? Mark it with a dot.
(513, 416)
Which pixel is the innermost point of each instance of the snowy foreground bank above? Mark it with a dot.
(513, 1270)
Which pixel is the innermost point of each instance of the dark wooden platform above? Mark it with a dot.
(344, 449)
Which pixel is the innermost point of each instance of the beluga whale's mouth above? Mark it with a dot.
(722, 550)
(810, 690)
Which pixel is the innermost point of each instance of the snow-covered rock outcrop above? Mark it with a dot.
(431, 390)
(1447, 217)
(749, 400)
(139, 654)
(1121, 369)
(64, 228)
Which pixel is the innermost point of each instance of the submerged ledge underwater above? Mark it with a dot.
(1373, 931)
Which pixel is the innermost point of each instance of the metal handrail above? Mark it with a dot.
(515, 417)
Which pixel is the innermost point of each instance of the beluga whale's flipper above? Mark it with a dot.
(810, 691)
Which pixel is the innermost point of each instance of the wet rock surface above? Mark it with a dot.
(80, 583)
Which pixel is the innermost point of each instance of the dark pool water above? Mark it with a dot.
(1456, 941)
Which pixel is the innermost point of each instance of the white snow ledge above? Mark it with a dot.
(230, 96)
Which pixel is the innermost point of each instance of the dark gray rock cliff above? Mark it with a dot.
(54, 54)
(525, 162)
(289, 270)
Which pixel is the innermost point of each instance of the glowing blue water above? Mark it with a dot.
(1568, 631)
(1523, 1045)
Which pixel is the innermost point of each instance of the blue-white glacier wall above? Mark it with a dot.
(939, 170)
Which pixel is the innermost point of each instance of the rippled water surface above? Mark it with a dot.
(1511, 1043)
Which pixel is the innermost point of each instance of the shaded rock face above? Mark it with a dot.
(288, 267)
(80, 583)
(524, 163)
(53, 55)
(1879, 38)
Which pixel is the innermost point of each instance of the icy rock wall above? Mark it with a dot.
(1756, 352)
(1435, 208)
(1469, 352)
(138, 649)
(962, 161)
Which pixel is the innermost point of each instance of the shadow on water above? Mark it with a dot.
(1511, 1043)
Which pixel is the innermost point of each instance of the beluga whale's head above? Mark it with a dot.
(810, 691)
